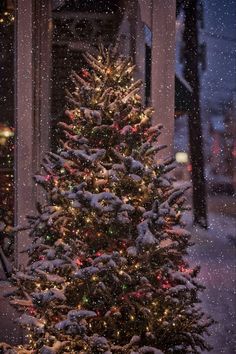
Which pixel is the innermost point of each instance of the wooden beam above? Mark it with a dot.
(42, 85)
(163, 68)
(65, 15)
(24, 106)
(32, 61)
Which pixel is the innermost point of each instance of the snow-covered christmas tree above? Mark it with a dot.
(106, 271)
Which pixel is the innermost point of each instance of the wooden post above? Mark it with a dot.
(163, 68)
(42, 83)
(24, 187)
(32, 60)
(137, 43)
(191, 73)
(160, 16)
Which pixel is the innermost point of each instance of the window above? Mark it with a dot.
(77, 27)
(148, 63)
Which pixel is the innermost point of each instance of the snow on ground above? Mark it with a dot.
(215, 252)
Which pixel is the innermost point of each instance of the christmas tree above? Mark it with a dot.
(106, 271)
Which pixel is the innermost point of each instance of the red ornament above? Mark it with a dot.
(70, 114)
(114, 309)
(85, 73)
(183, 269)
(98, 254)
(78, 262)
(69, 169)
(166, 285)
(32, 311)
(116, 126)
(55, 318)
(137, 294)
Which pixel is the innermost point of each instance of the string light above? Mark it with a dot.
(79, 256)
(7, 18)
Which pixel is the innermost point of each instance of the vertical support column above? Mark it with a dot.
(139, 50)
(24, 107)
(31, 107)
(191, 74)
(42, 83)
(136, 39)
(163, 68)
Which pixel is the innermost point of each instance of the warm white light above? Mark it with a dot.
(181, 157)
(6, 132)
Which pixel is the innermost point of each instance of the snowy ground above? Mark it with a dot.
(215, 252)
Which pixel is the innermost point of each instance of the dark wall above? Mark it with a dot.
(7, 74)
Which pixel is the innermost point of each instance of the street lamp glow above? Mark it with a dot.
(181, 157)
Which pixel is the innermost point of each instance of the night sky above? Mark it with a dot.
(219, 80)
